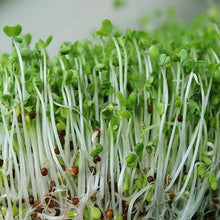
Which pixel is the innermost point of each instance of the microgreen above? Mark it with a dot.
(127, 127)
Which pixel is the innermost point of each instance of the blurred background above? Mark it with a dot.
(71, 20)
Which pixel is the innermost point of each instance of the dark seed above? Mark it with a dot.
(93, 198)
(31, 200)
(57, 212)
(124, 215)
(215, 199)
(49, 203)
(109, 213)
(105, 98)
(38, 207)
(62, 133)
(92, 170)
(13, 173)
(172, 195)
(44, 171)
(1, 162)
(214, 207)
(34, 215)
(52, 185)
(32, 114)
(75, 201)
(62, 140)
(19, 118)
(150, 109)
(97, 131)
(17, 203)
(69, 195)
(150, 179)
(125, 208)
(180, 118)
(56, 150)
(74, 170)
(71, 145)
(96, 159)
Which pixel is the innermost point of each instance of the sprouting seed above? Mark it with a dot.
(19, 118)
(92, 170)
(71, 145)
(22, 201)
(37, 206)
(96, 159)
(109, 213)
(215, 199)
(75, 201)
(214, 207)
(56, 150)
(44, 171)
(150, 109)
(93, 198)
(62, 133)
(171, 195)
(74, 170)
(52, 185)
(69, 197)
(63, 167)
(32, 114)
(49, 202)
(97, 131)
(62, 140)
(57, 212)
(150, 179)
(31, 200)
(34, 215)
(180, 118)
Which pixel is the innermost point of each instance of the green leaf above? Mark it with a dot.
(213, 182)
(154, 52)
(160, 108)
(26, 39)
(132, 98)
(71, 214)
(7, 100)
(96, 213)
(49, 39)
(106, 28)
(139, 149)
(106, 88)
(91, 88)
(183, 55)
(177, 102)
(201, 170)
(74, 49)
(150, 193)
(132, 160)
(99, 66)
(96, 151)
(149, 149)
(64, 112)
(12, 31)
(121, 98)
(206, 160)
(162, 59)
(141, 182)
(61, 125)
(125, 182)
(126, 114)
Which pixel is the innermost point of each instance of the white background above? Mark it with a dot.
(71, 20)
